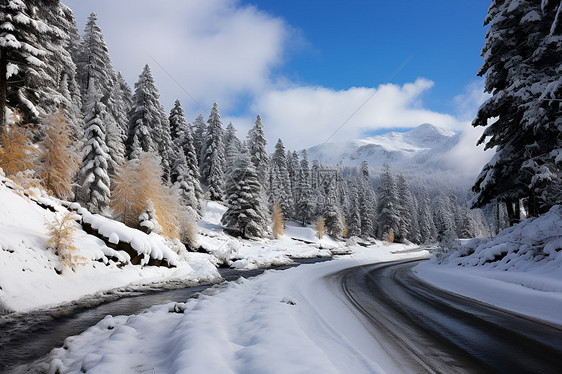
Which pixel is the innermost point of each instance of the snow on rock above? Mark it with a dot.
(31, 275)
(520, 269)
(153, 245)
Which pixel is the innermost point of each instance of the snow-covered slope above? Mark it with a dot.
(31, 275)
(520, 269)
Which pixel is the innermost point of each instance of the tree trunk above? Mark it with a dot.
(3, 88)
(533, 206)
(513, 211)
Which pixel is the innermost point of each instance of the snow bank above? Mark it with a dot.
(291, 321)
(519, 270)
(31, 275)
(151, 246)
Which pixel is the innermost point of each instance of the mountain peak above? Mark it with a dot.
(427, 129)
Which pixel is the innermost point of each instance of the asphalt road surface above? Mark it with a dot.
(429, 330)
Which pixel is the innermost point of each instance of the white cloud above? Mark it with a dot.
(466, 156)
(216, 49)
(305, 116)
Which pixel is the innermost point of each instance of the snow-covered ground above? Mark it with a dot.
(519, 270)
(298, 241)
(31, 275)
(288, 321)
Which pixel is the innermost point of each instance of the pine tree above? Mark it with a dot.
(332, 215)
(427, 228)
(232, 146)
(149, 129)
(185, 168)
(22, 58)
(405, 209)
(212, 161)
(257, 147)
(387, 207)
(246, 212)
(367, 202)
(94, 183)
(58, 159)
(199, 131)
(280, 183)
(443, 216)
(304, 205)
(522, 69)
(353, 208)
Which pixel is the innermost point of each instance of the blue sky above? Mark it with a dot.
(305, 66)
(363, 42)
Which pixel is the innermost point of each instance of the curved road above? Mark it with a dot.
(429, 330)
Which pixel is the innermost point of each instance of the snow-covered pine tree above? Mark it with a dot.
(246, 212)
(353, 207)
(94, 63)
(522, 68)
(427, 229)
(293, 166)
(367, 202)
(212, 156)
(256, 146)
(232, 146)
(185, 185)
(199, 130)
(93, 179)
(185, 169)
(36, 68)
(444, 218)
(304, 204)
(58, 160)
(280, 184)
(149, 129)
(332, 217)
(405, 209)
(22, 58)
(387, 207)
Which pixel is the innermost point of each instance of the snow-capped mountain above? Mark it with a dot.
(417, 145)
(422, 154)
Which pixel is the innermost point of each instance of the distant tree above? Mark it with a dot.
(232, 146)
(257, 147)
(246, 212)
(212, 156)
(185, 166)
(278, 221)
(387, 208)
(405, 209)
(427, 228)
(199, 130)
(280, 182)
(320, 228)
(304, 204)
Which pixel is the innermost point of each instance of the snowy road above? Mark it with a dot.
(426, 329)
